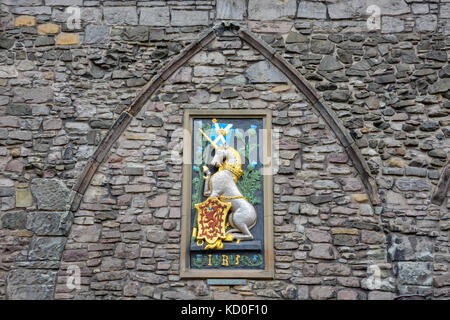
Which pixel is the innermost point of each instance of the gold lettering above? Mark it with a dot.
(209, 262)
(225, 260)
(237, 259)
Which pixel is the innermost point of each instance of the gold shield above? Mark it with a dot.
(211, 222)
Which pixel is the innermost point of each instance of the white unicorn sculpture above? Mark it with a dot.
(222, 184)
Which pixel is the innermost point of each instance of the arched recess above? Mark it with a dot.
(270, 54)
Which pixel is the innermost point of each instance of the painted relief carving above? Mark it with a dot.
(227, 195)
(223, 194)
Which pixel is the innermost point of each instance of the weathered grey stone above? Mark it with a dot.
(183, 75)
(152, 121)
(312, 10)
(264, 71)
(442, 280)
(358, 8)
(121, 74)
(90, 15)
(148, 277)
(230, 9)
(14, 220)
(51, 194)
(69, 3)
(49, 223)
(8, 72)
(96, 34)
(213, 58)
(83, 233)
(32, 11)
(323, 251)
(139, 33)
(317, 235)
(408, 248)
(442, 85)
(329, 63)
(414, 273)
(157, 236)
(322, 46)
(333, 269)
(25, 284)
(412, 184)
(155, 16)
(322, 292)
(189, 18)
(271, 10)
(33, 95)
(22, 2)
(46, 248)
(391, 24)
(426, 23)
(127, 251)
(117, 16)
(19, 110)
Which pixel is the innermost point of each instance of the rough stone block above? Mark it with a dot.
(51, 194)
(68, 3)
(322, 292)
(182, 18)
(25, 284)
(155, 16)
(333, 269)
(46, 248)
(426, 23)
(23, 198)
(148, 277)
(412, 184)
(33, 11)
(8, 72)
(33, 95)
(391, 24)
(49, 223)
(158, 201)
(66, 39)
(43, 41)
(380, 295)
(139, 33)
(75, 255)
(82, 233)
(157, 236)
(414, 273)
(312, 10)
(407, 248)
(271, 10)
(25, 21)
(48, 28)
(230, 9)
(127, 251)
(442, 280)
(264, 71)
(323, 251)
(14, 220)
(119, 16)
(96, 34)
(357, 8)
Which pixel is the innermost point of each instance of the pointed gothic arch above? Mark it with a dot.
(270, 54)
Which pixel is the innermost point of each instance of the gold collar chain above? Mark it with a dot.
(235, 170)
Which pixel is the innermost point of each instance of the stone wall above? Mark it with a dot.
(64, 82)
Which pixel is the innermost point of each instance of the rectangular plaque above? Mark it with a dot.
(227, 195)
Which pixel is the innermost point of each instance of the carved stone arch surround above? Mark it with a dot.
(270, 54)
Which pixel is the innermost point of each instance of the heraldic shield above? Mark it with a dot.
(212, 222)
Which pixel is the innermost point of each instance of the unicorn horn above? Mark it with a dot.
(209, 140)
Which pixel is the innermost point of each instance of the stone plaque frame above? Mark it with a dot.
(267, 271)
